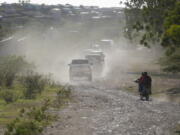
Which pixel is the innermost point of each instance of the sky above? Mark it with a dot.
(100, 3)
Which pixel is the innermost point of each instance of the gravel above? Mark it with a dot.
(99, 111)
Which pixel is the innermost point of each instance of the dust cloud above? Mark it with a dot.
(52, 47)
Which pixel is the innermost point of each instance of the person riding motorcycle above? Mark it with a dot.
(144, 85)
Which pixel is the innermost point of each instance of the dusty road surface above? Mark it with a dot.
(99, 111)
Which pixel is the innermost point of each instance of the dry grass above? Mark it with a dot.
(160, 85)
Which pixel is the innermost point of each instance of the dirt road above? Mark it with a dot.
(99, 111)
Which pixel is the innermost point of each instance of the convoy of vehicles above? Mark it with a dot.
(92, 66)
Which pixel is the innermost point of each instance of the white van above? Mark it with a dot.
(80, 70)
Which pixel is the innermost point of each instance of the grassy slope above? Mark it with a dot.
(10, 111)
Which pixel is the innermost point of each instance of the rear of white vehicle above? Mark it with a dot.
(97, 61)
(80, 70)
(106, 44)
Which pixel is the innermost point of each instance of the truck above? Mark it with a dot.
(80, 70)
(96, 59)
(106, 44)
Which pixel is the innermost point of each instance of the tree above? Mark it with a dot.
(158, 21)
(149, 18)
(172, 28)
(171, 40)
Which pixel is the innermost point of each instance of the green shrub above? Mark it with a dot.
(24, 127)
(30, 121)
(34, 84)
(8, 96)
(9, 68)
(63, 94)
(40, 114)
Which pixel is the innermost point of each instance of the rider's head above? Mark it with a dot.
(145, 73)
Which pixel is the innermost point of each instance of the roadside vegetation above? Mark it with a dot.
(152, 22)
(26, 97)
(157, 23)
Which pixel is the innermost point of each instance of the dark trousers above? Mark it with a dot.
(145, 93)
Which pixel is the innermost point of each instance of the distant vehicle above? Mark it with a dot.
(95, 51)
(80, 70)
(96, 59)
(106, 44)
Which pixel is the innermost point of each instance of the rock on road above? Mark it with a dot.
(98, 111)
